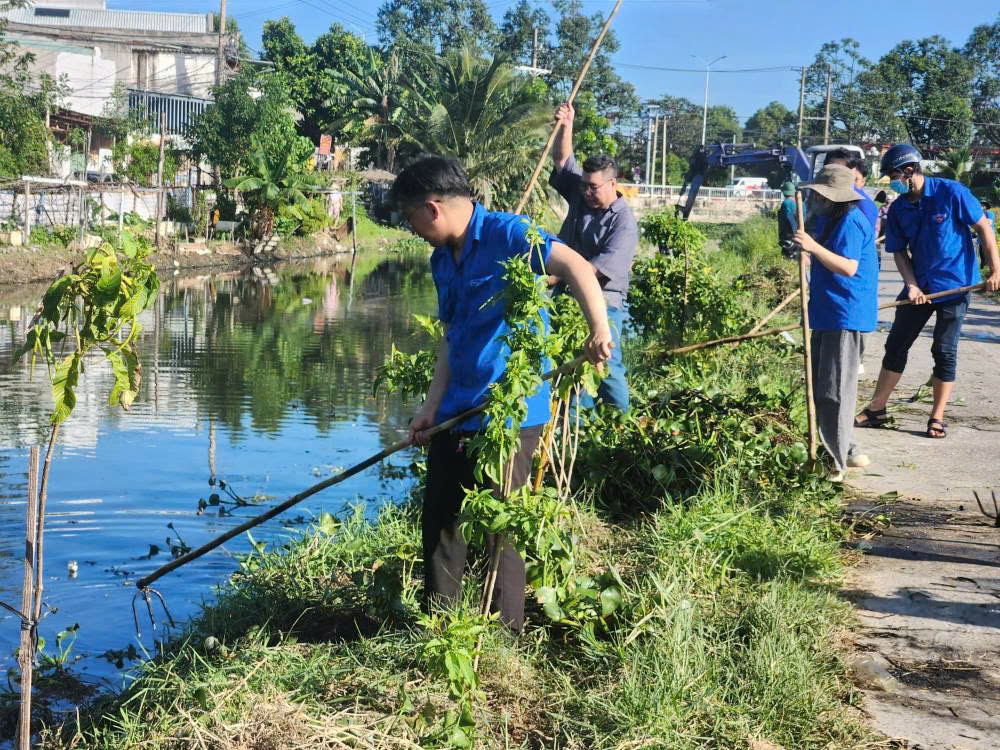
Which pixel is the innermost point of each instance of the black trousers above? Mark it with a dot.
(449, 471)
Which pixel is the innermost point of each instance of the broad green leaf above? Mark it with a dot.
(64, 380)
(53, 296)
(611, 601)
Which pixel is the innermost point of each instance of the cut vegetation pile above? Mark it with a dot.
(723, 543)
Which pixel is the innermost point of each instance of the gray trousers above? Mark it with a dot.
(835, 358)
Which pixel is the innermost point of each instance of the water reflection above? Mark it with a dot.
(262, 379)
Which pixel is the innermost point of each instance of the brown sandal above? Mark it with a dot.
(874, 419)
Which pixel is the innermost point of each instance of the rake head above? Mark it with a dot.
(995, 515)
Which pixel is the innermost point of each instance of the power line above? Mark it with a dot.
(772, 69)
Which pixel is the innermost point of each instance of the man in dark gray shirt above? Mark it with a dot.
(601, 227)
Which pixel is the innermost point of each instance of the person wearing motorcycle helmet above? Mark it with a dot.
(927, 232)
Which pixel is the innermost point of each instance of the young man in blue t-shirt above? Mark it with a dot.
(469, 244)
(927, 232)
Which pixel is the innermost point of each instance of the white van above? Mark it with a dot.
(745, 185)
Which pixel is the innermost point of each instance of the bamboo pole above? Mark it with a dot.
(781, 306)
(26, 653)
(572, 96)
(806, 336)
(733, 339)
(346, 474)
(40, 535)
(781, 329)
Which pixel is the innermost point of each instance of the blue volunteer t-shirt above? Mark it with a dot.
(935, 229)
(845, 303)
(867, 206)
(475, 324)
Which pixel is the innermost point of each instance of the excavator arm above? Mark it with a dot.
(791, 158)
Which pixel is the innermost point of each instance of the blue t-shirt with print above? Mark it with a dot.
(935, 230)
(474, 321)
(845, 303)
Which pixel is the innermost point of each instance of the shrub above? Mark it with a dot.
(656, 300)
(671, 233)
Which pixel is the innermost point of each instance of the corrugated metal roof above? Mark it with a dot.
(116, 20)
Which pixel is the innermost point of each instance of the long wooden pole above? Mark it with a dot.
(572, 96)
(346, 474)
(806, 336)
(781, 306)
(26, 653)
(793, 326)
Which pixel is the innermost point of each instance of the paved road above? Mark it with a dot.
(928, 592)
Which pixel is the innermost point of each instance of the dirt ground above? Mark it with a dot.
(928, 591)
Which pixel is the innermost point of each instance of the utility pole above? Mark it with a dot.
(802, 102)
(649, 145)
(663, 151)
(656, 130)
(829, 91)
(219, 56)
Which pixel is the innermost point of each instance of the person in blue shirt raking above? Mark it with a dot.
(469, 245)
(927, 232)
(843, 304)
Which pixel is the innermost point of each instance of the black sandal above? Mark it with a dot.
(941, 427)
(874, 419)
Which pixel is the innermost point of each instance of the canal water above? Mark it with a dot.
(262, 380)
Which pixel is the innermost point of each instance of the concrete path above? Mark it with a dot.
(928, 591)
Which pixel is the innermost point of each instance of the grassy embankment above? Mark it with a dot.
(725, 545)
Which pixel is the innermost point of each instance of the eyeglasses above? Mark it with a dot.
(590, 187)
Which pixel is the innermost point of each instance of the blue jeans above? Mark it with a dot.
(613, 390)
(910, 321)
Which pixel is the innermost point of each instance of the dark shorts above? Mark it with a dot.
(910, 321)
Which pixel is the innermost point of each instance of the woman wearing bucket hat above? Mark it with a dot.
(843, 304)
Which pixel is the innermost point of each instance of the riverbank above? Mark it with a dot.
(37, 263)
(722, 546)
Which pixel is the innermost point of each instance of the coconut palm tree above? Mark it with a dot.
(958, 164)
(483, 112)
(374, 88)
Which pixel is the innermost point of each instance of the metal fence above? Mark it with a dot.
(73, 206)
(180, 110)
(706, 193)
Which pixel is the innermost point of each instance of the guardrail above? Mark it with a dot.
(644, 190)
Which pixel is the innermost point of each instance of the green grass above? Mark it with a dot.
(728, 632)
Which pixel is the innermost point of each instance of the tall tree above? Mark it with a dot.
(310, 73)
(374, 87)
(983, 50)
(845, 63)
(438, 25)
(772, 124)
(23, 136)
(251, 113)
(575, 34)
(922, 89)
(517, 33)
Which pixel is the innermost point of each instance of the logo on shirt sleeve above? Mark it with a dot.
(940, 217)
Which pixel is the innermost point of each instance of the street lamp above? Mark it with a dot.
(704, 114)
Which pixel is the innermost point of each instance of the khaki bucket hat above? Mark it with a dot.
(835, 182)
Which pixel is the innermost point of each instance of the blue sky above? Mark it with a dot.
(666, 33)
